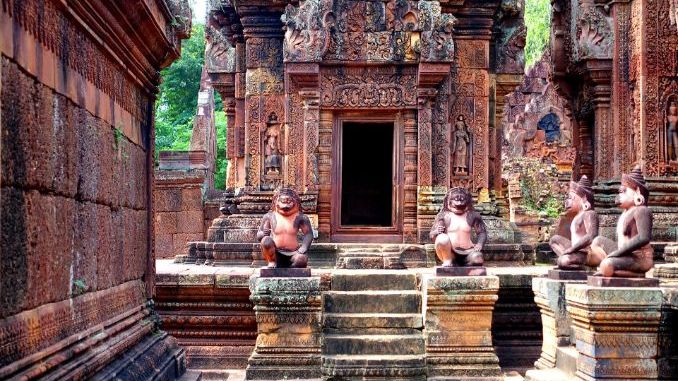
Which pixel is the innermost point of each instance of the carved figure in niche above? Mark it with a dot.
(461, 140)
(272, 156)
(550, 124)
(516, 136)
(278, 231)
(574, 254)
(672, 131)
(631, 255)
(453, 227)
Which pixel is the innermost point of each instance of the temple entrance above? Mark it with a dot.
(367, 176)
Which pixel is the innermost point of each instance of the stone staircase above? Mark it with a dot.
(372, 327)
(565, 369)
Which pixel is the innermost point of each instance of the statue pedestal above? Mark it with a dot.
(601, 281)
(288, 313)
(616, 331)
(549, 294)
(461, 271)
(282, 272)
(558, 274)
(458, 327)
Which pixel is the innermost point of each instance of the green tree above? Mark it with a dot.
(177, 103)
(178, 96)
(538, 22)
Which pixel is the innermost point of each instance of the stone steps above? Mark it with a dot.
(387, 302)
(566, 360)
(370, 281)
(372, 320)
(566, 367)
(552, 374)
(342, 367)
(373, 344)
(372, 327)
(191, 375)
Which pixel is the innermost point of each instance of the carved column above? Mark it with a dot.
(615, 330)
(458, 323)
(425, 114)
(427, 206)
(263, 88)
(311, 99)
(231, 139)
(410, 177)
(288, 313)
(240, 69)
(600, 74)
(325, 174)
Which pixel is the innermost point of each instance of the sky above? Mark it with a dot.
(198, 7)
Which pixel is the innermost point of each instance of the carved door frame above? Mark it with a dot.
(394, 233)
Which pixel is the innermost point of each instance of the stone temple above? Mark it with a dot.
(115, 267)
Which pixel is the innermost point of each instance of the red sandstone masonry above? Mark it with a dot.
(76, 93)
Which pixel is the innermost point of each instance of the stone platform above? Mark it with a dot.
(208, 309)
(351, 255)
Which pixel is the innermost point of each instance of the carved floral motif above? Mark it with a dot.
(368, 87)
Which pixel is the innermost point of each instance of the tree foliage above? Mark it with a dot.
(177, 103)
(538, 22)
(178, 96)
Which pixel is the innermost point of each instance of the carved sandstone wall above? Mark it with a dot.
(617, 66)
(77, 87)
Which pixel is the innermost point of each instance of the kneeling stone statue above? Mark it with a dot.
(452, 231)
(278, 232)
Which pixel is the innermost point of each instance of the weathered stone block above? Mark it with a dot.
(27, 130)
(457, 327)
(288, 317)
(191, 199)
(190, 222)
(616, 331)
(167, 200)
(164, 247)
(166, 222)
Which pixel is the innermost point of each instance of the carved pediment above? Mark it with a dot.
(373, 31)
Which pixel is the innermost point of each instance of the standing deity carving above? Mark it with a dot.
(515, 136)
(672, 131)
(272, 151)
(460, 147)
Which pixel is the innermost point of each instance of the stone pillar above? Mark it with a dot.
(615, 330)
(264, 90)
(667, 358)
(458, 323)
(231, 139)
(288, 313)
(549, 294)
(311, 99)
(604, 155)
(424, 137)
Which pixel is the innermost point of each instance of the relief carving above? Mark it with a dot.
(461, 142)
(376, 31)
(307, 30)
(672, 129)
(594, 34)
(273, 157)
(368, 87)
(219, 54)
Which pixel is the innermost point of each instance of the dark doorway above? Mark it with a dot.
(367, 174)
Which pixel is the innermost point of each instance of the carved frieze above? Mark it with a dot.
(219, 53)
(375, 31)
(372, 87)
(594, 34)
